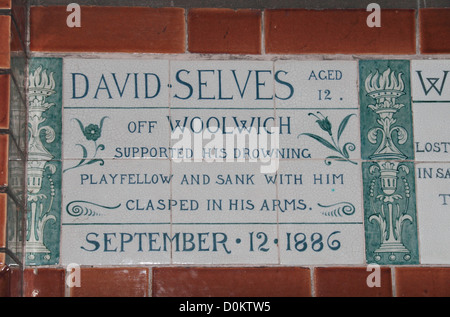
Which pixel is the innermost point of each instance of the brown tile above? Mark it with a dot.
(5, 4)
(19, 12)
(350, 282)
(3, 217)
(109, 29)
(112, 282)
(15, 281)
(224, 31)
(16, 44)
(5, 279)
(4, 149)
(5, 34)
(231, 282)
(422, 281)
(434, 31)
(338, 32)
(44, 282)
(15, 227)
(4, 101)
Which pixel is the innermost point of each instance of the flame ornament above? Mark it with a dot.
(391, 228)
(385, 89)
(41, 86)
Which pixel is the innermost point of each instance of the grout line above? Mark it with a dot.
(263, 36)
(66, 287)
(418, 29)
(394, 289)
(186, 33)
(312, 280)
(150, 282)
(243, 57)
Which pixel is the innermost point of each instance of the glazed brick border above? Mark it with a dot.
(245, 31)
(13, 22)
(239, 282)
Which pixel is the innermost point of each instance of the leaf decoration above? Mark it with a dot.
(101, 122)
(326, 125)
(85, 153)
(321, 140)
(343, 125)
(96, 160)
(101, 147)
(80, 124)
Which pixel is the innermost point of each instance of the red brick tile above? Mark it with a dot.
(3, 217)
(350, 282)
(112, 282)
(422, 281)
(19, 12)
(4, 101)
(15, 281)
(5, 280)
(5, 4)
(5, 34)
(224, 31)
(15, 41)
(4, 141)
(108, 29)
(434, 31)
(44, 282)
(338, 32)
(231, 282)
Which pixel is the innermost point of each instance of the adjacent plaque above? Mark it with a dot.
(431, 102)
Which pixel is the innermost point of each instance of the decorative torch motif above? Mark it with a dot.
(389, 187)
(40, 87)
(385, 89)
(390, 208)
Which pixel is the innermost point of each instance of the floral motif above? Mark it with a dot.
(324, 123)
(326, 126)
(91, 132)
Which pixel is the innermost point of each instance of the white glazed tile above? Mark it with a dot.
(305, 244)
(316, 84)
(115, 245)
(128, 184)
(431, 99)
(123, 83)
(235, 84)
(226, 244)
(126, 200)
(430, 80)
(313, 185)
(431, 132)
(230, 201)
(298, 136)
(124, 133)
(224, 136)
(226, 193)
(433, 212)
(318, 200)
